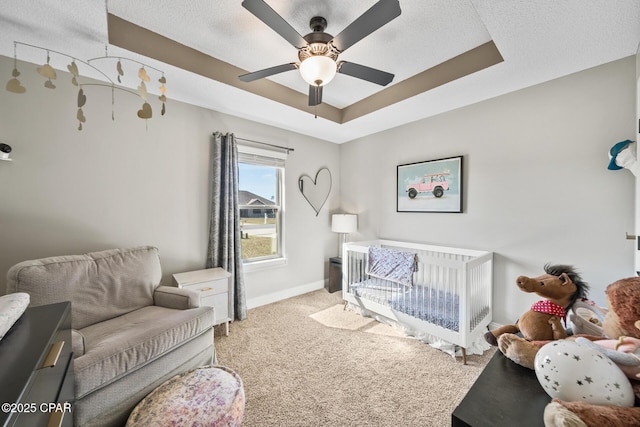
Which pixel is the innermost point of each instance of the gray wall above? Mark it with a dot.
(126, 182)
(536, 184)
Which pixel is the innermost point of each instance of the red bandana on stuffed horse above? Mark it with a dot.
(561, 286)
(550, 307)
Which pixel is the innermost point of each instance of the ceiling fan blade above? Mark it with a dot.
(378, 15)
(363, 72)
(263, 12)
(315, 95)
(249, 77)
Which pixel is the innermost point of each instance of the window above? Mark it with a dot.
(261, 199)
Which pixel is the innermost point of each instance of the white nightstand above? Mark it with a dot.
(214, 285)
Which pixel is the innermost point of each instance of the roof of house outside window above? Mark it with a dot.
(246, 198)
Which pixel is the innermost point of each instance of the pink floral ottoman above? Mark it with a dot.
(208, 396)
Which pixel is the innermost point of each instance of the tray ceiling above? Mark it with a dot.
(444, 54)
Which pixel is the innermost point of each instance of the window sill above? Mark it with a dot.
(251, 266)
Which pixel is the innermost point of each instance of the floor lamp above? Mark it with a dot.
(343, 224)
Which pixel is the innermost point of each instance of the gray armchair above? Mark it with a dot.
(129, 334)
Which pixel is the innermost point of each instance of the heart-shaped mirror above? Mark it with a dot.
(316, 190)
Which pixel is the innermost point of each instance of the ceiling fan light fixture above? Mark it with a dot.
(318, 70)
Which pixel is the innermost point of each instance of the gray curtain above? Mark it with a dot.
(224, 229)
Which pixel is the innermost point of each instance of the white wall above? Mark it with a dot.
(536, 184)
(125, 183)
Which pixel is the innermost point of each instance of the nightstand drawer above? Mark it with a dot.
(211, 287)
(335, 275)
(220, 304)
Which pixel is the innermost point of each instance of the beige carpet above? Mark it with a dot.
(307, 362)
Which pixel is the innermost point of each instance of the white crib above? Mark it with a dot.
(451, 296)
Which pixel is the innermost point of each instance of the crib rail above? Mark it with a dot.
(451, 296)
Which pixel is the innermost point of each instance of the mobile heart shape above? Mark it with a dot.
(145, 112)
(316, 190)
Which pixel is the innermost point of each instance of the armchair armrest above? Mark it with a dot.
(178, 298)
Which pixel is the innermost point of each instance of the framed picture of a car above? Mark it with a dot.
(430, 186)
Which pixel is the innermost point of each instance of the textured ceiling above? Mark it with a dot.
(538, 41)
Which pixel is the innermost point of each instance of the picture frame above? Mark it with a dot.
(430, 186)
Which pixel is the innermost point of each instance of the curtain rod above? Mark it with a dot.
(265, 143)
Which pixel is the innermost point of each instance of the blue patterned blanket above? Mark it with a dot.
(390, 264)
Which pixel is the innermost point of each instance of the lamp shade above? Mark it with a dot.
(318, 70)
(344, 223)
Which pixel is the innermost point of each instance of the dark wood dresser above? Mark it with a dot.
(36, 368)
(505, 394)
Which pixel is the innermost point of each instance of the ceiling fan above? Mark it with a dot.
(318, 51)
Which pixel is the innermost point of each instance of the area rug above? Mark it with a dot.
(338, 317)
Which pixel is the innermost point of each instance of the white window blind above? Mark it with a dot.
(259, 156)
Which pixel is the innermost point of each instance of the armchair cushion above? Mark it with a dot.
(119, 346)
(100, 285)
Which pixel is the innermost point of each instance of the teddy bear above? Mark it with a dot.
(561, 286)
(621, 326)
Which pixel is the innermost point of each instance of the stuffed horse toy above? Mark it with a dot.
(561, 286)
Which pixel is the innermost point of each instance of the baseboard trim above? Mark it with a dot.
(284, 294)
(494, 325)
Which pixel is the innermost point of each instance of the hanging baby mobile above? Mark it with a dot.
(49, 73)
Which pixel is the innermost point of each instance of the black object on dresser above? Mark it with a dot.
(505, 394)
(37, 368)
(335, 274)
